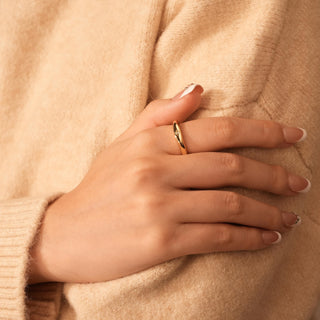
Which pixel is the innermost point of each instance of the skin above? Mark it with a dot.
(142, 203)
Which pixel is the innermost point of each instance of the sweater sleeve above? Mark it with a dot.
(20, 220)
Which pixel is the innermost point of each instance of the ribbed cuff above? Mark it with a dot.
(20, 220)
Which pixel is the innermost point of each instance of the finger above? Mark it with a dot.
(163, 111)
(217, 169)
(212, 134)
(208, 206)
(193, 238)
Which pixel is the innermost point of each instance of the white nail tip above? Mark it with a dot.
(279, 237)
(307, 188)
(298, 221)
(303, 136)
(188, 90)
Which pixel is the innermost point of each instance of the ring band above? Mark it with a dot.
(178, 134)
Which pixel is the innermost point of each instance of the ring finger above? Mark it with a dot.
(215, 206)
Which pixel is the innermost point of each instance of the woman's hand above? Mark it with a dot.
(143, 203)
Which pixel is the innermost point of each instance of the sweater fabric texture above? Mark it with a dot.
(75, 74)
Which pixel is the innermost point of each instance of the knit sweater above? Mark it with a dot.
(75, 74)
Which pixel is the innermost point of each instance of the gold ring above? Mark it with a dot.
(178, 134)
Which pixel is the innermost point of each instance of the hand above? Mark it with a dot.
(142, 202)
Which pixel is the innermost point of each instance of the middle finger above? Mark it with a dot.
(216, 169)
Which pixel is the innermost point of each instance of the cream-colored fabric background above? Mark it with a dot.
(75, 74)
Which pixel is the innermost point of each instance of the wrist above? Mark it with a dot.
(39, 254)
(34, 270)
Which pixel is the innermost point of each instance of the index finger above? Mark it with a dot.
(216, 133)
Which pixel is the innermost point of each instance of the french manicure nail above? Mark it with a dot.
(291, 219)
(293, 135)
(304, 134)
(299, 184)
(188, 89)
(307, 188)
(271, 237)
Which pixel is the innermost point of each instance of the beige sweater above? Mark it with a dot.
(73, 77)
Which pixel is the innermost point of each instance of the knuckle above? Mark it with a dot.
(149, 206)
(279, 178)
(233, 163)
(143, 140)
(223, 237)
(234, 204)
(160, 239)
(226, 128)
(143, 170)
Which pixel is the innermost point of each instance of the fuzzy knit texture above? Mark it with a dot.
(75, 74)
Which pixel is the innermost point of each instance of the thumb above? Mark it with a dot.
(164, 111)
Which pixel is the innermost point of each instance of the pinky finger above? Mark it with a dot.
(196, 238)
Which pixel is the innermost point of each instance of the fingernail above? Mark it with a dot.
(188, 89)
(293, 135)
(271, 237)
(291, 219)
(299, 184)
